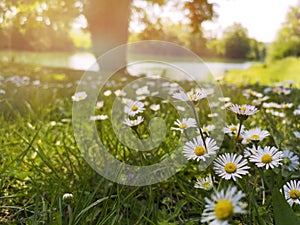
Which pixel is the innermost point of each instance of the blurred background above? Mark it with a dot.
(72, 32)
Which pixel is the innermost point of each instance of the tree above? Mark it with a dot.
(23, 23)
(235, 43)
(287, 42)
(108, 23)
(195, 13)
(107, 20)
(257, 50)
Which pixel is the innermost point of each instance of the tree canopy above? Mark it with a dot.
(287, 42)
(44, 24)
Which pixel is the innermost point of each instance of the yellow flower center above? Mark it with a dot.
(183, 126)
(285, 106)
(266, 158)
(255, 137)
(134, 108)
(243, 108)
(223, 209)
(286, 161)
(233, 128)
(200, 150)
(205, 129)
(277, 89)
(206, 185)
(294, 194)
(230, 167)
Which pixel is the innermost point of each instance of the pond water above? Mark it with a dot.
(86, 61)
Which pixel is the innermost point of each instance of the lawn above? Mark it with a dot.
(267, 73)
(238, 157)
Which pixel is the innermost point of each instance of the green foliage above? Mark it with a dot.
(287, 42)
(257, 50)
(34, 25)
(189, 35)
(283, 214)
(235, 44)
(199, 11)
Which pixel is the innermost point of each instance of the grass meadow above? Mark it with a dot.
(252, 176)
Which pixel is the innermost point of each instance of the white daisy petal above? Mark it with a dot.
(195, 149)
(268, 157)
(133, 123)
(205, 183)
(134, 107)
(79, 96)
(231, 166)
(243, 111)
(290, 161)
(222, 205)
(184, 124)
(292, 192)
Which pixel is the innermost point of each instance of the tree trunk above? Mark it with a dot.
(108, 22)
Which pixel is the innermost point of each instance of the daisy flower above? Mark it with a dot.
(224, 99)
(142, 91)
(194, 95)
(195, 149)
(99, 117)
(297, 111)
(292, 192)
(207, 129)
(79, 96)
(268, 157)
(107, 93)
(243, 111)
(134, 107)
(250, 151)
(120, 93)
(68, 198)
(232, 129)
(184, 124)
(290, 161)
(281, 90)
(205, 183)
(276, 113)
(286, 105)
(99, 104)
(155, 107)
(249, 93)
(271, 105)
(213, 115)
(133, 123)
(222, 206)
(230, 166)
(255, 135)
(297, 134)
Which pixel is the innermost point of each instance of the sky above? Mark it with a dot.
(262, 18)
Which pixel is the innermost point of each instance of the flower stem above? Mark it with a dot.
(70, 214)
(239, 131)
(198, 124)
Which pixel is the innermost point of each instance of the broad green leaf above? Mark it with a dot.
(283, 213)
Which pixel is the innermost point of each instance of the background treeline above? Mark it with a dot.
(40, 26)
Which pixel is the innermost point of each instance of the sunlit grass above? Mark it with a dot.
(40, 160)
(267, 74)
